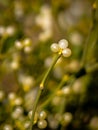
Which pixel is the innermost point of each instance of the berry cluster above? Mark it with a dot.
(40, 119)
(42, 123)
(61, 47)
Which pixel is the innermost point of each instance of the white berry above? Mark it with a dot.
(66, 90)
(18, 45)
(66, 52)
(17, 112)
(63, 44)
(7, 127)
(42, 124)
(27, 42)
(10, 30)
(55, 47)
(12, 96)
(42, 115)
(67, 117)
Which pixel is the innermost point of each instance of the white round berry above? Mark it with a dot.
(42, 124)
(63, 43)
(66, 90)
(66, 52)
(27, 124)
(7, 127)
(42, 115)
(27, 42)
(18, 45)
(27, 49)
(17, 113)
(67, 117)
(10, 30)
(12, 96)
(14, 64)
(18, 101)
(55, 47)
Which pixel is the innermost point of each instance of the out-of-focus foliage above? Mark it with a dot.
(27, 29)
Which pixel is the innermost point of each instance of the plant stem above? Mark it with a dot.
(41, 87)
(92, 68)
(49, 70)
(63, 81)
(34, 108)
(1, 42)
(92, 38)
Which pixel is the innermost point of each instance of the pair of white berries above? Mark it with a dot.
(61, 47)
(42, 123)
(40, 119)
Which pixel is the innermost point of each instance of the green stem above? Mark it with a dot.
(63, 81)
(92, 68)
(53, 94)
(1, 42)
(34, 108)
(41, 87)
(49, 70)
(92, 38)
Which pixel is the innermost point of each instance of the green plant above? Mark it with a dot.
(68, 99)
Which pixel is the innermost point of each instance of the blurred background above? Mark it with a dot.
(27, 30)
